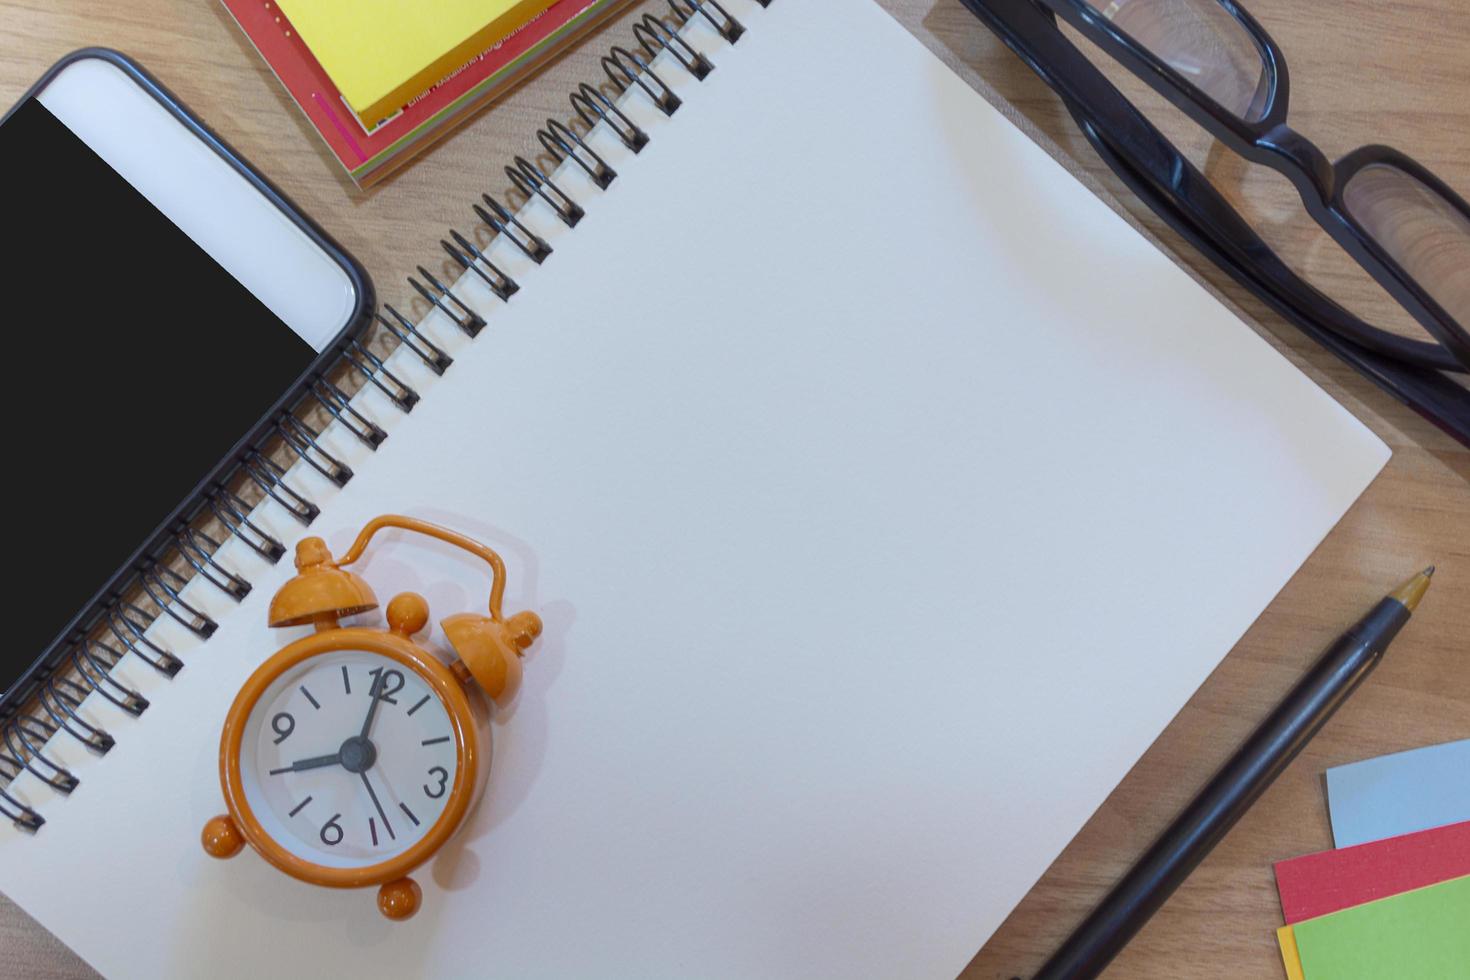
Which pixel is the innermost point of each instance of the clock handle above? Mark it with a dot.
(497, 587)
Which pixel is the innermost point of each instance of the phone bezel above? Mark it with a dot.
(161, 539)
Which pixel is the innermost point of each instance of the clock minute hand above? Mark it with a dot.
(316, 762)
(374, 796)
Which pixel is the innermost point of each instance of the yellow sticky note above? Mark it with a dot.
(382, 53)
(1286, 938)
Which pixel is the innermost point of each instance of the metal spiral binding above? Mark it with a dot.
(563, 144)
(593, 107)
(98, 676)
(198, 549)
(530, 181)
(638, 73)
(234, 514)
(267, 474)
(65, 696)
(500, 218)
(465, 318)
(17, 812)
(30, 756)
(302, 440)
(409, 336)
(123, 625)
(128, 625)
(376, 373)
(163, 586)
(730, 29)
(654, 35)
(336, 402)
(472, 259)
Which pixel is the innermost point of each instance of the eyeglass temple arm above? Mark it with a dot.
(1428, 392)
(1214, 227)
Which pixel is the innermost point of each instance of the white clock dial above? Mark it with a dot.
(329, 793)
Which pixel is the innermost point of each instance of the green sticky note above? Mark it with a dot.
(1423, 934)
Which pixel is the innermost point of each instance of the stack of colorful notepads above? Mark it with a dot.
(380, 80)
(1393, 900)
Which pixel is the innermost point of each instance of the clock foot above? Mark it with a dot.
(399, 900)
(221, 838)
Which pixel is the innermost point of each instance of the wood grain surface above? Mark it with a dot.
(1362, 71)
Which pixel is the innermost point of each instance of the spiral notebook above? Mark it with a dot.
(884, 495)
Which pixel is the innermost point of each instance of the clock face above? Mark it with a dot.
(336, 787)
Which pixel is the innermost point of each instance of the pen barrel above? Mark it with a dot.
(1226, 797)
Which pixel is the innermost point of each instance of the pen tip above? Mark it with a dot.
(1413, 590)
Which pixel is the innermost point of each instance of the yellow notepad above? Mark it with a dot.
(382, 53)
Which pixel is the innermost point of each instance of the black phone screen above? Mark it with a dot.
(147, 362)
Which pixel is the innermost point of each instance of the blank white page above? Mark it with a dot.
(884, 494)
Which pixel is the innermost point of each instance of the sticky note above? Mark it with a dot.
(1400, 793)
(382, 53)
(1317, 884)
(1422, 933)
(1290, 958)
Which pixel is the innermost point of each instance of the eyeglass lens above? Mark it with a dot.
(1424, 233)
(1203, 42)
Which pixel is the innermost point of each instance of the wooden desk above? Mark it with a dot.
(1362, 72)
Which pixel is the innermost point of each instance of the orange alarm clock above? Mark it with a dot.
(353, 754)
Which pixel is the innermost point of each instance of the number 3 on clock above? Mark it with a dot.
(437, 791)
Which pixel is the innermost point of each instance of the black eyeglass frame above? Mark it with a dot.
(1150, 165)
(1269, 141)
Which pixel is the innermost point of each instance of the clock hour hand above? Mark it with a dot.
(317, 762)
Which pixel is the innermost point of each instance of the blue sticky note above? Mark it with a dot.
(1399, 793)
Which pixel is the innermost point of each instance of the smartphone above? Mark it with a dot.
(165, 304)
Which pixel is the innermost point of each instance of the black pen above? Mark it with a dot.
(1255, 765)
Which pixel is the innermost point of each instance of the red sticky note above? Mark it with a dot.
(1317, 884)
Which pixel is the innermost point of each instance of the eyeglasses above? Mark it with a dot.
(1212, 60)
